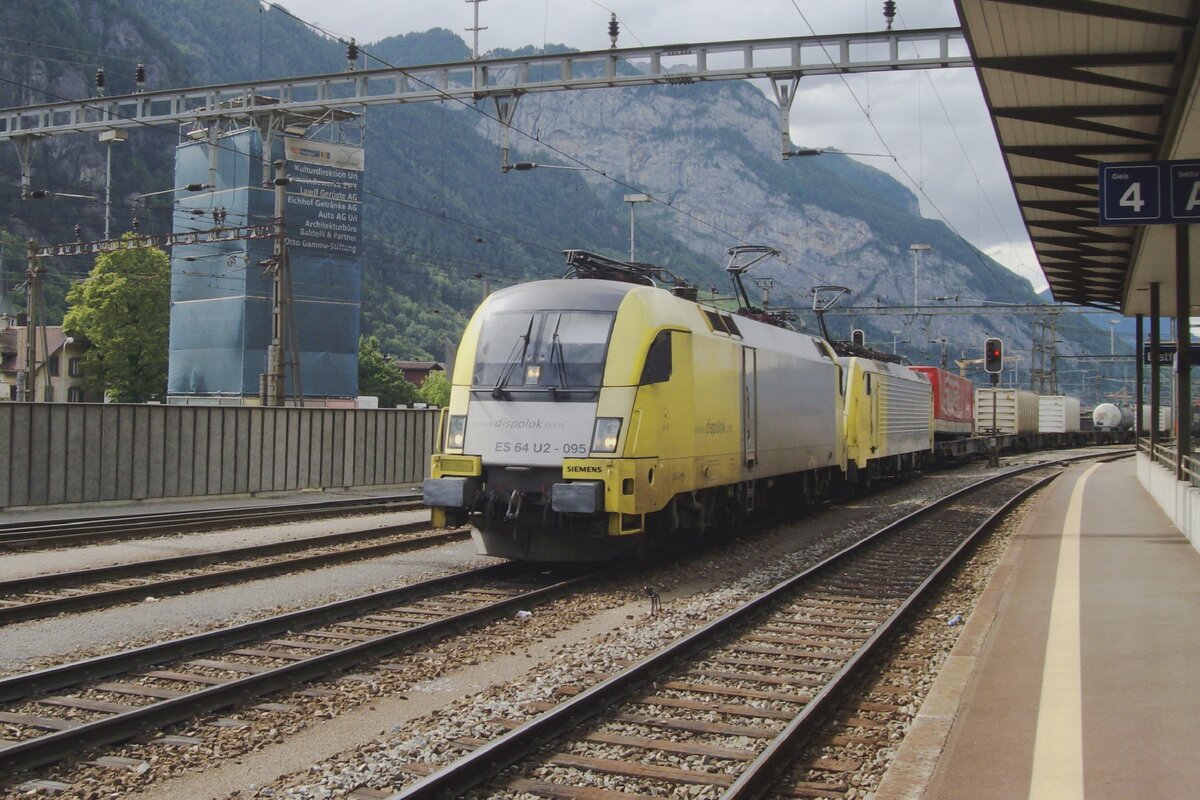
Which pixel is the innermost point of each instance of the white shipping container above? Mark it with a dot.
(1016, 411)
(1058, 414)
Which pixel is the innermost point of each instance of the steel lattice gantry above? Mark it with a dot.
(1071, 84)
(782, 60)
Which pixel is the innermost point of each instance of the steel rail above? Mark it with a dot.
(339, 502)
(169, 586)
(44, 532)
(120, 727)
(29, 684)
(760, 776)
(487, 761)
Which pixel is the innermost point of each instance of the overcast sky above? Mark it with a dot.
(934, 121)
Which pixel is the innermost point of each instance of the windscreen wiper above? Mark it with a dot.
(556, 354)
(511, 364)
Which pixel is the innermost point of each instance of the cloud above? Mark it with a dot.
(955, 161)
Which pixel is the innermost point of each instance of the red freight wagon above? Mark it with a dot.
(953, 402)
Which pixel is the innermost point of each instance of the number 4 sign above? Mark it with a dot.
(1150, 193)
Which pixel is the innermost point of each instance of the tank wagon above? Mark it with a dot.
(1120, 417)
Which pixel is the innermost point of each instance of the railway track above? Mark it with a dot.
(723, 711)
(40, 596)
(46, 715)
(50, 714)
(78, 530)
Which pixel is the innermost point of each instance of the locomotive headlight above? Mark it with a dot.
(533, 374)
(608, 430)
(456, 430)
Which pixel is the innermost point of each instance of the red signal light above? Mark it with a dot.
(993, 356)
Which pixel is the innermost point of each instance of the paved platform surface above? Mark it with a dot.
(1075, 676)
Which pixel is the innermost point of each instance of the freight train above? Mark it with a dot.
(591, 414)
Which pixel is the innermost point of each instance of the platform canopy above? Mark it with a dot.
(1074, 83)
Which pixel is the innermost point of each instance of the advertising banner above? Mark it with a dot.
(324, 197)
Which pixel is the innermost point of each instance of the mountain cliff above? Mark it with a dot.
(442, 223)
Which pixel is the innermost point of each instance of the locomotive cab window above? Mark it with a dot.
(658, 360)
(554, 352)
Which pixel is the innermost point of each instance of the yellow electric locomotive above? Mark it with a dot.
(889, 419)
(588, 413)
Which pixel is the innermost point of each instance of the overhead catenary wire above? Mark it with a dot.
(891, 154)
(531, 137)
(442, 215)
(438, 214)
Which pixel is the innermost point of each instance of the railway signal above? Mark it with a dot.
(993, 356)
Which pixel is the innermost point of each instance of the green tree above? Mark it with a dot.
(379, 377)
(123, 309)
(435, 389)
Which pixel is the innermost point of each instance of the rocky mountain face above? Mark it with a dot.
(442, 223)
(710, 153)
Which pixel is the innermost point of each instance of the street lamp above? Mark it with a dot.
(109, 137)
(632, 199)
(916, 250)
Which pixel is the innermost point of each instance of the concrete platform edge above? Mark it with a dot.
(1179, 500)
(913, 765)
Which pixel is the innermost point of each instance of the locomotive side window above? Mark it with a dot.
(721, 323)
(658, 360)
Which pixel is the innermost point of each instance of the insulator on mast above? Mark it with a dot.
(889, 12)
(100, 81)
(139, 76)
(352, 56)
(614, 29)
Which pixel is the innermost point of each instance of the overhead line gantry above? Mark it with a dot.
(279, 105)
(783, 61)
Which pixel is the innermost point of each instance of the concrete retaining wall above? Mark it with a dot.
(1179, 500)
(83, 453)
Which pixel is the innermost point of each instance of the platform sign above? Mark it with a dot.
(1149, 193)
(1166, 353)
(1184, 185)
(1131, 194)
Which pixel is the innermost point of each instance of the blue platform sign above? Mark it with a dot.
(1184, 183)
(1150, 193)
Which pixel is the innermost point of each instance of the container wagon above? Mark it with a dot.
(1058, 414)
(953, 403)
(1015, 411)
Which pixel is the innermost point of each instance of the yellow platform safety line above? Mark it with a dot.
(1058, 746)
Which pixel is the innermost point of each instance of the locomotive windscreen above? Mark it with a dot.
(560, 350)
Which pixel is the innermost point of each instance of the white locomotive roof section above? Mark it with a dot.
(1071, 84)
(562, 295)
